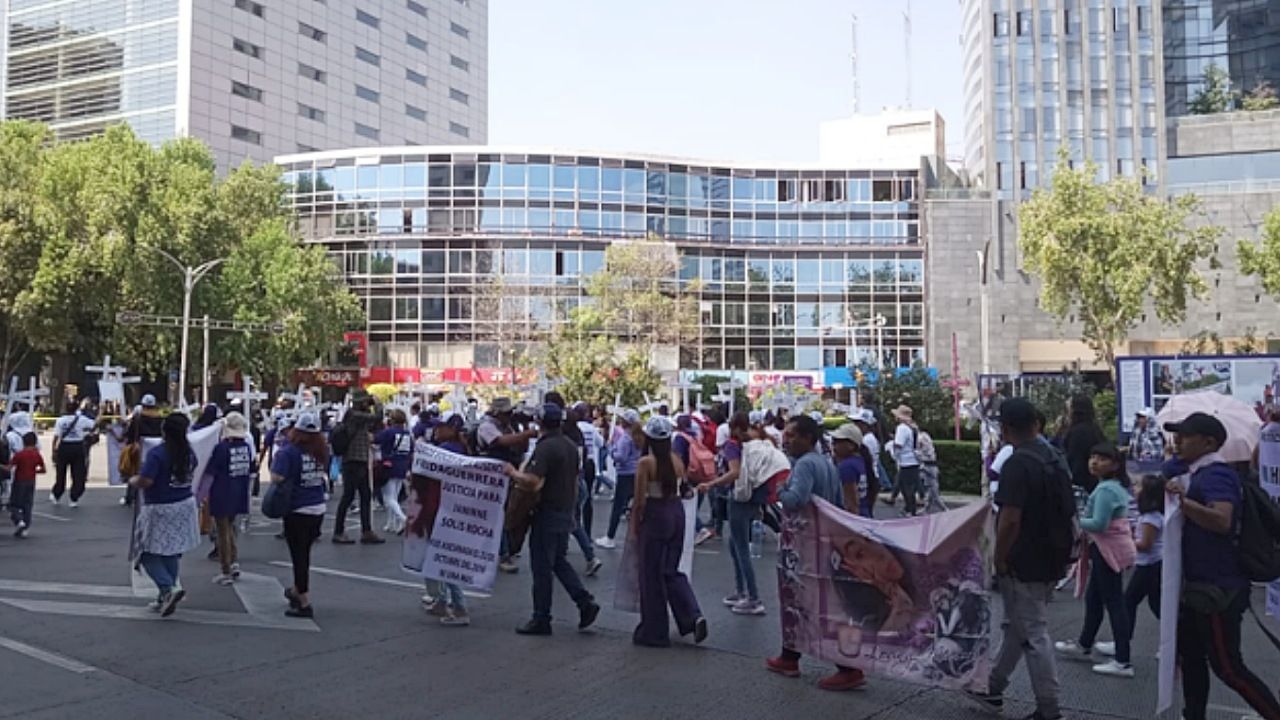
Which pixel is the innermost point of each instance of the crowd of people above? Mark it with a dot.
(1066, 507)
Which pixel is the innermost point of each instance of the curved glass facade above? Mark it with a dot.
(788, 258)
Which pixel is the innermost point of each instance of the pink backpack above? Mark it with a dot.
(702, 461)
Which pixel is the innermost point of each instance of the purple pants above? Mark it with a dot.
(661, 582)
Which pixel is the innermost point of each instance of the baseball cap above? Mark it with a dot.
(500, 405)
(148, 400)
(1146, 412)
(658, 428)
(755, 417)
(308, 422)
(1199, 424)
(849, 432)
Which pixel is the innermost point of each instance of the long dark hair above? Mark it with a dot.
(176, 446)
(312, 444)
(1151, 494)
(661, 452)
(1082, 411)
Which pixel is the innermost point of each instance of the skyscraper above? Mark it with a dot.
(252, 78)
(1242, 37)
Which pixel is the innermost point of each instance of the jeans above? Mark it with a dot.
(21, 499)
(70, 456)
(1105, 591)
(391, 500)
(548, 547)
(621, 499)
(661, 582)
(719, 508)
(162, 569)
(225, 541)
(300, 532)
(581, 524)
(450, 593)
(744, 573)
(1143, 585)
(909, 483)
(1026, 632)
(930, 487)
(1213, 640)
(355, 478)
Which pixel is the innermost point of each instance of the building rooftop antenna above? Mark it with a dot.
(906, 43)
(853, 26)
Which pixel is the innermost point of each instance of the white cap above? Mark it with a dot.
(308, 422)
(755, 417)
(1146, 412)
(148, 400)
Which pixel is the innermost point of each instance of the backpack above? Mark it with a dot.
(1258, 538)
(708, 431)
(925, 451)
(702, 461)
(340, 439)
(1064, 521)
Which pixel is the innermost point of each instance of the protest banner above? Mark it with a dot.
(626, 589)
(1170, 577)
(905, 598)
(466, 532)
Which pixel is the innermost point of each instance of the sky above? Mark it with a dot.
(740, 80)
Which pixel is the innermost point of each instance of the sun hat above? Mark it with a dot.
(235, 426)
(849, 432)
(902, 413)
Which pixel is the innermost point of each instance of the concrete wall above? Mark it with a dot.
(1223, 133)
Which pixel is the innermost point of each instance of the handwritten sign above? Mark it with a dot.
(463, 548)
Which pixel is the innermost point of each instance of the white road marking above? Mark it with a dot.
(47, 516)
(54, 588)
(45, 656)
(137, 612)
(375, 579)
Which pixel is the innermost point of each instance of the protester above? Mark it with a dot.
(445, 600)
(231, 469)
(168, 523)
(145, 423)
(396, 445)
(742, 513)
(930, 480)
(209, 415)
(904, 454)
(358, 424)
(591, 445)
(1146, 443)
(1082, 435)
(811, 476)
(1144, 584)
(584, 436)
(1215, 590)
(497, 438)
(23, 467)
(865, 419)
(1033, 540)
(72, 434)
(301, 463)
(852, 463)
(625, 454)
(658, 528)
(1111, 552)
(553, 473)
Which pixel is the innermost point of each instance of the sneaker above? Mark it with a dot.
(154, 605)
(990, 701)
(22, 530)
(843, 680)
(699, 630)
(748, 606)
(587, 614)
(606, 542)
(235, 570)
(1071, 647)
(438, 608)
(300, 612)
(453, 619)
(124, 501)
(704, 535)
(593, 566)
(534, 627)
(74, 503)
(339, 539)
(784, 667)
(171, 600)
(428, 600)
(292, 597)
(1106, 649)
(221, 579)
(371, 539)
(1114, 669)
(509, 566)
(53, 499)
(734, 599)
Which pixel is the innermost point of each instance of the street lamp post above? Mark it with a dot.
(984, 307)
(190, 276)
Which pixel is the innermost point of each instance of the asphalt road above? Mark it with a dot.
(74, 642)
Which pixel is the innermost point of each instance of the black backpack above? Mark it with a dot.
(1064, 530)
(340, 439)
(1258, 539)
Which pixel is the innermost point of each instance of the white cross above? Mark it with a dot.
(416, 390)
(457, 398)
(616, 408)
(27, 396)
(247, 396)
(183, 407)
(112, 373)
(649, 406)
(683, 388)
(727, 393)
(298, 397)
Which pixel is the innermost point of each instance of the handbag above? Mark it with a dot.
(277, 501)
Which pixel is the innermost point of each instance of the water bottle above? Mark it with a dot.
(757, 539)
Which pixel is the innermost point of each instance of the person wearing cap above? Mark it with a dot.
(741, 514)
(853, 463)
(1146, 443)
(359, 420)
(904, 454)
(497, 438)
(1215, 589)
(865, 419)
(396, 446)
(1035, 499)
(625, 452)
(302, 463)
(658, 528)
(168, 524)
(552, 472)
(229, 473)
(145, 423)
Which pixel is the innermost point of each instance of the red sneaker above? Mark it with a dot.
(843, 680)
(785, 668)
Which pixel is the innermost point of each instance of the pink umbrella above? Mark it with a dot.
(1238, 417)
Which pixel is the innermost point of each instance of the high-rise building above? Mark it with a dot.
(252, 78)
(1048, 75)
(1241, 37)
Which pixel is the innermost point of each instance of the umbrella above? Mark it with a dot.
(1238, 417)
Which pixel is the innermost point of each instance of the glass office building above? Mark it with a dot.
(790, 260)
(1241, 37)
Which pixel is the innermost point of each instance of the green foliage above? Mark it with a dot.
(1108, 413)
(1215, 96)
(22, 162)
(1050, 396)
(959, 466)
(1205, 342)
(711, 387)
(639, 297)
(587, 362)
(1250, 343)
(1263, 260)
(1106, 252)
(932, 405)
(1261, 97)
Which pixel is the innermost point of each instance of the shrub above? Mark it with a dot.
(959, 466)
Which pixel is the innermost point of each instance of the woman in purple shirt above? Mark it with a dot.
(396, 444)
(168, 523)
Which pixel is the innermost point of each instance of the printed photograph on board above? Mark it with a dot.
(1257, 382)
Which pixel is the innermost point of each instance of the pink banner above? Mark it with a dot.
(904, 598)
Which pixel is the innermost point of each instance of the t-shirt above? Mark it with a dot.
(1156, 553)
(72, 428)
(680, 446)
(812, 475)
(305, 473)
(853, 471)
(1027, 483)
(452, 446)
(232, 468)
(1208, 557)
(555, 460)
(396, 446)
(904, 446)
(165, 488)
(731, 451)
(26, 463)
(722, 435)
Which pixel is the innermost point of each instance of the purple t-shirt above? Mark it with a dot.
(854, 472)
(166, 485)
(731, 451)
(396, 445)
(1208, 557)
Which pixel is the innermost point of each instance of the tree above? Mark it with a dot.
(1103, 252)
(1261, 97)
(1263, 260)
(639, 296)
(22, 162)
(711, 387)
(587, 362)
(932, 406)
(1250, 343)
(1215, 96)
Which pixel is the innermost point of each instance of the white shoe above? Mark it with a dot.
(235, 570)
(606, 543)
(74, 504)
(1071, 647)
(453, 619)
(747, 606)
(1106, 649)
(1114, 669)
(734, 599)
(221, 579)
(593, 567)
(54, 500)
(124, 501)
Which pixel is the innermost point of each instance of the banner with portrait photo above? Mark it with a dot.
(905, 598)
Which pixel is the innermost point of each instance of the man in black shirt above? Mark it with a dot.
(1033, 491)
(553, 473)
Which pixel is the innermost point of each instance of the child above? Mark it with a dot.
(24, 465)
(1149, 541)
